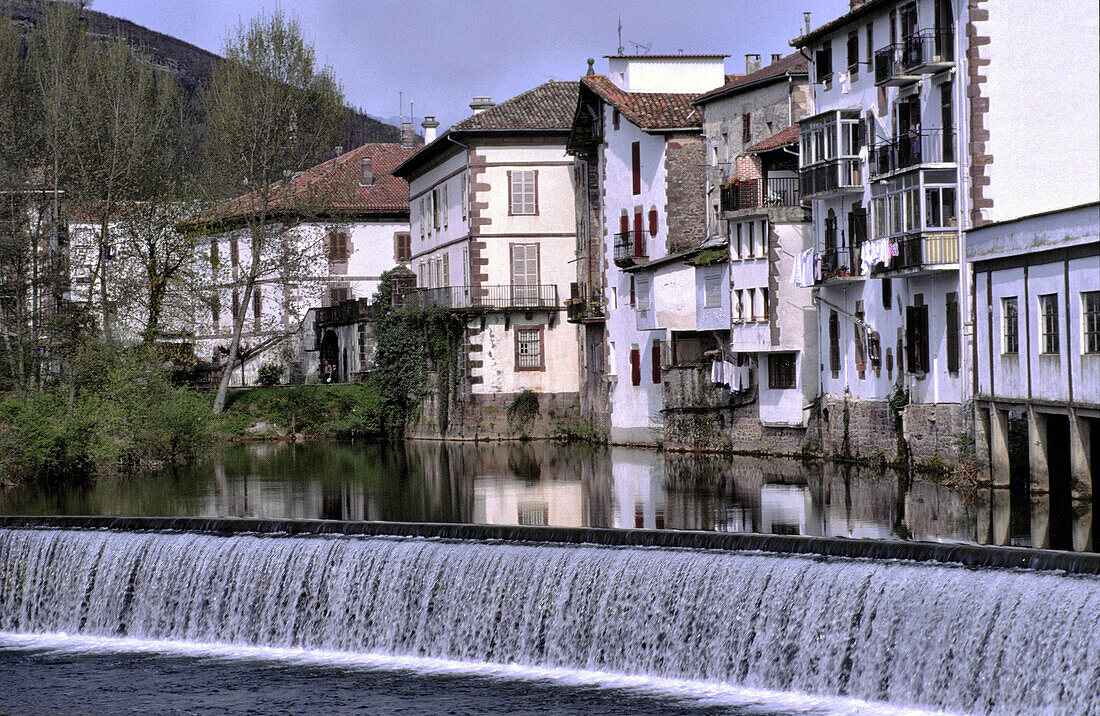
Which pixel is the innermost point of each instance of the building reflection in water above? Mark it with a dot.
(541, 483)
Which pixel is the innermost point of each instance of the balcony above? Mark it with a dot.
(348, 312)
(919, 251)
(930, 51)
(893, 64)
(758, 193)
(839, 262)
(911, 150)
(486, 298)
(630, 248)
(586, 308)
(842, 175)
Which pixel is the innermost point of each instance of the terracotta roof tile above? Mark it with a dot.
(782, 139)
(648, 110)
(548, 106)
(338, 180)
(865, 9)
(793, 63)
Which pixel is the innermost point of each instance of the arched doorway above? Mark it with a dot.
(330, 353)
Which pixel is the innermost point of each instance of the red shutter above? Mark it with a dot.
(639, 235)
(656, 361)
(632, 289)
(624, 224)
(636, 166)
(635, 367)
(652, 222)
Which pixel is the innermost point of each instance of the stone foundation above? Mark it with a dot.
(485, 417)
(868, 430)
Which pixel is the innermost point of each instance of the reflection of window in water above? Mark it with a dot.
(784, 529)
(534, 513)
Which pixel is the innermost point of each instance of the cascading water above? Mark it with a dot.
(921, 634)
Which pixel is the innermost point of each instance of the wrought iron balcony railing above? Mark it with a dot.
(588, 307)
(348, 312)
(911, 149)
(893, 63)
(630, 248)
(833, 176)
(756, 193)
(486, 298)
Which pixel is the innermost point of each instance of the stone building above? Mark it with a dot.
(493, 234)
(640, 165)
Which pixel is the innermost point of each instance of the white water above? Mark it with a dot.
(921, 635)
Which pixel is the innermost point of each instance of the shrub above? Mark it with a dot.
(523, 411)
(269, 374)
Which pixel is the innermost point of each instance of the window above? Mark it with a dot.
(234, 253)
(939, 207)
(1048, 312)
(1010, 324)
(465, 266)
(869, 49)
(615, 119)
(887, 294)
(853, 54)
(781, 371)
(257, 307)
(860, 338)
(462, 195)
(740, 243)
(763, 313)
(364, 353)
(422, 278)
(337, 245)
(738, 305)
(834, 343)
(216, 311)
(652, 222)
(523, 193)
(437, 208)
(746, 127)
(423, 217)
(1090, 315)
(750, 298)
(529, 348)
(215, 257)
(444, 205)
(655, 362)
(712, 291)
(636, 166)
(445, 262)
(633, 291)
(402, 247)
(750, 239)
(338, 294)
(952, 333)
(824, 64)
(236, 304)
(635, 366)
(916, 334)
(643, 295)
(525, 274)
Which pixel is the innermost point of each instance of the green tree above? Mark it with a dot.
(271, 112)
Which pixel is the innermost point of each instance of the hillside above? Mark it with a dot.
(191, 65)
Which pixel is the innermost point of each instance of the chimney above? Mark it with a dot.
(480, 104)
(752, 64)
(853, 4)
(776, 57)
(429, 124)
(806, 23)
(408, 139)
(368, 173)
(339, 150)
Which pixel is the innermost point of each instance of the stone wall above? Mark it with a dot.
(685, 191)
(867, 430)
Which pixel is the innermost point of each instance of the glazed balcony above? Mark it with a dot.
(486, 298)
(909, 150)
(586, 308)
(630, 248)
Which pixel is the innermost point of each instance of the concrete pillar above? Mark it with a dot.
(1001, 506)
(1082, 527)
(1040, 521)
(1079, 451)
(1037, 451)
(998, 440)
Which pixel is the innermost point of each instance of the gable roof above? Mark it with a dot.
(792, 64)
(780, 139)
(652, 111)
(337, 181)
(866, 8)
(548, 106)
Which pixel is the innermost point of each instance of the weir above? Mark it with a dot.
(903, 628)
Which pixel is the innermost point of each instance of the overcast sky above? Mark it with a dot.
(442, 53)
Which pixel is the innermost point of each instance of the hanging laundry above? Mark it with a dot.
(846, 83)
(893, 249)
(716, 372)
(803, 273)
(871, 253)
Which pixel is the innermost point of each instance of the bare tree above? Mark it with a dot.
(271, 112)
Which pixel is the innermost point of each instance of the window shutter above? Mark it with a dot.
(535, 189)
(639, 235)
(911, 338)
(922, 328)
(834, 342)
(635, 367)
(443, 204)
(656, 360)
(636, 166)
(746, 127)
(624, 224)
(953, 333)
(511, 194)
(652, 222)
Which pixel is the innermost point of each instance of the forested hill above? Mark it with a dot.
(191, 65)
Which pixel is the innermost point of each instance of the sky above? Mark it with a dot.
(439, 54)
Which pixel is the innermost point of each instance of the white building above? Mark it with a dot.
(1034, 248)
(883, 163)
(753, 194)
(636, 139)
(347, 222)
(493, 234)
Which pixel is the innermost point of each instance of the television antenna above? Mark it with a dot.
(620, 34)
(638, 47)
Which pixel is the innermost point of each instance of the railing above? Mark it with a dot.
(839, 262)
(893, 62)
(831, 176)
(911, 149)
(916, 250)
(485, 298)
(930, 50)
(629, 248)
(348, 312)
(585, 308)
(755, 193)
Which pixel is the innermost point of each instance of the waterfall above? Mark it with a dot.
(925, 634)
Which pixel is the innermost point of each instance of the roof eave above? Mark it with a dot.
(722, 94)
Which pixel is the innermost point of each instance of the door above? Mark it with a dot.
(857, 233)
